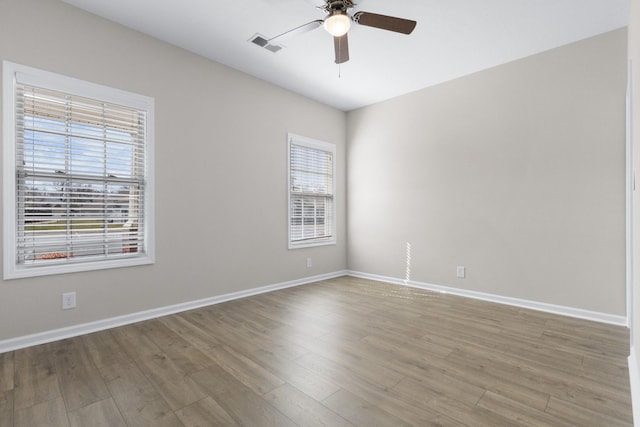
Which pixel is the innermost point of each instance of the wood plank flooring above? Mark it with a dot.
(341, 352)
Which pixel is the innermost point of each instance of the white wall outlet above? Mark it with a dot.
(309, 263)
(68, 300)
(460, 272)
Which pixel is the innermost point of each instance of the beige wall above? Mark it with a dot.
(634, 58)
(221, 183)
(516, 173)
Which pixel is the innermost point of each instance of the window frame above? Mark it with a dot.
(12, 75)
(293, 139)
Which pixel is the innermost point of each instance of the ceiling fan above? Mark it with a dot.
(337, 23)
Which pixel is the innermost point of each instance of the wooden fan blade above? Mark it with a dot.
(297, 31)
(341, 45)
(390, 23)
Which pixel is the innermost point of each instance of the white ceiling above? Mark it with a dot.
(453, 38)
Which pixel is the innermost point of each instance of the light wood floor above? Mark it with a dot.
(340, 352)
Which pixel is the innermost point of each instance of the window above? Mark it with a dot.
(77, 175)
(311, 192)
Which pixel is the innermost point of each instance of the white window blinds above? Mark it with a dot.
(311, 192)
(80, 177)
(77, 176)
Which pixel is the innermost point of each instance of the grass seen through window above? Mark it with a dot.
(76, 224)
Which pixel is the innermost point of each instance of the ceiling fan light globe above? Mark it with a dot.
(337, 25)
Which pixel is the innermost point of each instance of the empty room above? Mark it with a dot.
(319, 213)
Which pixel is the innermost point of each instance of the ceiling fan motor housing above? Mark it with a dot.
(338, 6)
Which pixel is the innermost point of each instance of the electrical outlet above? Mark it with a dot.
(460, 272)
(68, 300)
(309, 263)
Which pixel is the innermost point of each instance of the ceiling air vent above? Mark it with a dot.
(263, 42)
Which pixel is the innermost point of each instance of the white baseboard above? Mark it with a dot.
(99, 325)
(533, 305)
(634, 380)
(86, 328)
